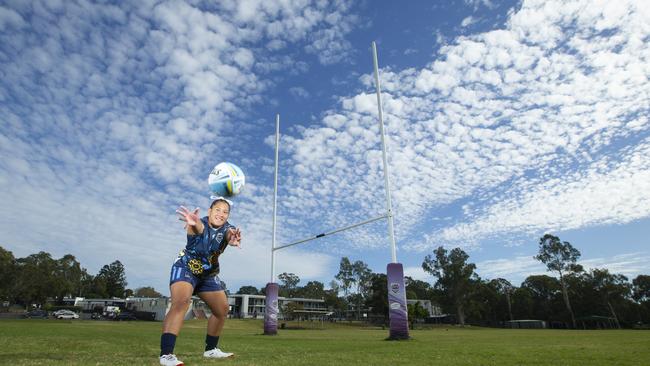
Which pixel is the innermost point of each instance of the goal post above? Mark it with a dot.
(398, 311)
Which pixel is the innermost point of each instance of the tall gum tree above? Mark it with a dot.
(560, 257)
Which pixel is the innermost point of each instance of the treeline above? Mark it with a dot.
(572, 297)
(34, 279)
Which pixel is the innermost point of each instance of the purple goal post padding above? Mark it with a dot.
(271, 312)
(398, 312)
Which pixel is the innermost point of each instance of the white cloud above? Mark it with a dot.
(299, 92)
(417, 273)
(468, 21)
(514, 269)
(606, 192)
(115, 110)
(628, 264)
(10, 18)
(496, 112)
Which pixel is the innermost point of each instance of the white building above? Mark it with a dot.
(241, 306)
(433, 310)
(253, 306)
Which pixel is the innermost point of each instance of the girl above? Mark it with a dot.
(195, 272)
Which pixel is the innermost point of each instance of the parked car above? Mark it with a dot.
(56, 313)
(125, 316)
(67, 314)
(36, 314)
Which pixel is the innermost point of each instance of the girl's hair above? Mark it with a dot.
(220, 200)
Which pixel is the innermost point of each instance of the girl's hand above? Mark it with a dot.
(234, 237)
(190, 218)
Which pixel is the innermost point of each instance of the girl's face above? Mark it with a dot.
(218, 214)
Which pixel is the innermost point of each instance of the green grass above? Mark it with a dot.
(56, 342)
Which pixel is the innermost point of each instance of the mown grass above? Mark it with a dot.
(55, 342)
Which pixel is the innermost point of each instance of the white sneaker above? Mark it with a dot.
(217, 353)
(170, 360)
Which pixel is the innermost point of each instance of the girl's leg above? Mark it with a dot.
(181, 297)
(218, 304)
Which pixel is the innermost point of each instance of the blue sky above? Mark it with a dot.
(505, 120)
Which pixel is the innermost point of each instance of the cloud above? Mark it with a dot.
(514, 269)
(468, 21)
(299, 92)
(506, 120)
(478, 3)
(10, 18)
(111, 112)
(628, 264)
(518, 268)
(417, 273)
(606, 192)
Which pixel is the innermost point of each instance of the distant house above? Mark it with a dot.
(241, 306)
(252, 306)
(525, 324)
(432, 309)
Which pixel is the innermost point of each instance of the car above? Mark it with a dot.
(36, 314)
(125, 316)
(61, 311)
(67, 314)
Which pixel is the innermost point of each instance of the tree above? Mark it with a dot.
(523, 305)
(312, 290)
(290, 309)
(248, 290)
(68, 275)
(641, 294)
(377, 295)
(7, 274)
(97, 287)
(362, 275)
(543, 292)
(87, 284)
(333, 301)
(289, 283)
(345, 276)
(114, 279)
(641, 286)
(611, 288)
(454, 276)
(416, 312)
(505, 288)
(559, 257)
(417, 289)
(146, 291)
(37, 278)
(484, 304)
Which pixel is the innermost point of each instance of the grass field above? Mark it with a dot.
(56, 342)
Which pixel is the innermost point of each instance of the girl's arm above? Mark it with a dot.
(193, 222)
(233, 237)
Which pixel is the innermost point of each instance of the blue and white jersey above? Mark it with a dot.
(201, 254)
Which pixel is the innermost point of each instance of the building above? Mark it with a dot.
(432, 310)
(254, 306)
(241, 306)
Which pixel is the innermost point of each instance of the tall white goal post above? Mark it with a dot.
(398, 314)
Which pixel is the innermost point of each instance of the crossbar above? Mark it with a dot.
(331, 232)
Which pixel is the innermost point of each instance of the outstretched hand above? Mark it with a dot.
(234, 237)
(190, 218)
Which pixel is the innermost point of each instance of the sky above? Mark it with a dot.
(504, 120)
